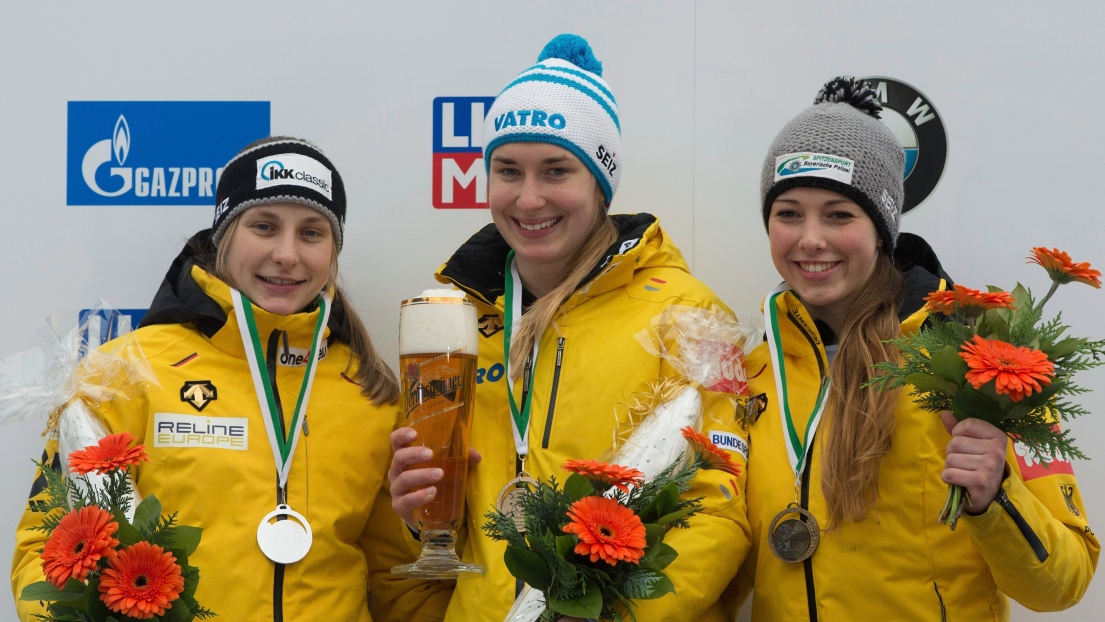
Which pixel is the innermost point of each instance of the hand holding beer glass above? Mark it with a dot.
(438, 344)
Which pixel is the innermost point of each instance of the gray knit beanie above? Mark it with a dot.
(839, 144)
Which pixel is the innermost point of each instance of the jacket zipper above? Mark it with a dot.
(552, 396)
(807, 564)
(943, 610)
(1025, 529)
(281, 495)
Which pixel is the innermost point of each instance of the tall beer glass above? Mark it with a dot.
(438, 344)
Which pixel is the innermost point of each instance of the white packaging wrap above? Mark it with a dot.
(60, 381)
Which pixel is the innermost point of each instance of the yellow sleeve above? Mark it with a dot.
(392, 598)
(712, 549)
(387, 542)
(26, 563)
(1036, 539)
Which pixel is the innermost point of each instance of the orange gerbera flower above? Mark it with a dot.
(112, 452)
(717, 457)
(607, 530)
(142, 581)
(967, 302)
(76, 545)
(1016, 371)
(604, 475)
(1062, 269)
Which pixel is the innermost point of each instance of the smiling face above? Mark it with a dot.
(280, 256)
(825, 246)
(544, 202)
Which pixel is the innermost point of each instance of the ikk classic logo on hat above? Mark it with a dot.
(920, 129)
(460, 178)
(155, 153)
(293, 169)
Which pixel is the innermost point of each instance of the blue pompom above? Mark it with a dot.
(573, 49)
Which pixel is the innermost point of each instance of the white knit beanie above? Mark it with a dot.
(563, 101)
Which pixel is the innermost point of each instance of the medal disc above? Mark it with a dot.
(510, 499)
(794, 539)
(284, 541)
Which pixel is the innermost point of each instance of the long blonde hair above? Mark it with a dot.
(543, 312)
(860, 420)
(370, 371)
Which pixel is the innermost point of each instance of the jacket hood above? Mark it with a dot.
(181, 300)
(921, 270)
(479, 265)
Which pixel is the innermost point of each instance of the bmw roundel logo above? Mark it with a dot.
(920, 129)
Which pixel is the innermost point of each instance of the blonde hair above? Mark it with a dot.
(544, 311)
(370, 371)
(860, 420)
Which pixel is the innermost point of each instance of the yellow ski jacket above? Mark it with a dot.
(1033, 544)
(588, 369)
(210, 460)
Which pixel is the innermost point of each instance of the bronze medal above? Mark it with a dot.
(510, 499)
(794, 539)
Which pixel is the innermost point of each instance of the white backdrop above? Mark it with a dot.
(702, 88)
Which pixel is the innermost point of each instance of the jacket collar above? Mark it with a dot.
(478, 265)
(298, 327)
(922, 274)
(189, 295)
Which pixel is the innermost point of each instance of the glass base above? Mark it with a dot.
(438, 559)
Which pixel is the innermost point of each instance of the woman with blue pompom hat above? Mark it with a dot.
(582, 283)
(846, 481)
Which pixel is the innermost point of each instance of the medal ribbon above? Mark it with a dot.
(512, 301)
(283, 448)
(797, 448)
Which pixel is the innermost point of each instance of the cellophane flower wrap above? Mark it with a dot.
(75, 371)
(98, 564)
(655, 441)
(994, 356)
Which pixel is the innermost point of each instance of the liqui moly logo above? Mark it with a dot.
(155, 153)
(460, 177)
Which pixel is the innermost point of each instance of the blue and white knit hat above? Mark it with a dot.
(562, 100)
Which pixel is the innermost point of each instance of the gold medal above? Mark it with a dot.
(794, 539)
(510, 499)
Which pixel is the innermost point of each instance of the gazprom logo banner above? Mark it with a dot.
(155, 153)
(460, 178)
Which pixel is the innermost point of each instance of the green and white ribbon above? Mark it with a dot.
(283, 447)
(512, 301)
(797, 447)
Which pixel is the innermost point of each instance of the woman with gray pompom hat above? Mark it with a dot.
(846, 482)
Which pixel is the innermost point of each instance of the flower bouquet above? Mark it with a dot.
(101, 567)
(993, 356)
(596, 544)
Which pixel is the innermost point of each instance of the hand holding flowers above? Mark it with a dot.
(993, 358)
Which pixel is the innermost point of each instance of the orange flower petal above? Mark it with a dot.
(967, 302)
(717, 457)
(77, 544)
(142, 581)
(605, 475)
(607, 530)
(1062, 269)
(110, 453)
(1016, 371)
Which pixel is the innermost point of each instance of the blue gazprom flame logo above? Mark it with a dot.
(117, 147)
(265, 168)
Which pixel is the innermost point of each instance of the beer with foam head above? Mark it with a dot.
(438, 343)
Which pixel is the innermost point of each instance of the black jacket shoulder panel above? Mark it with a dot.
(921, 269)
